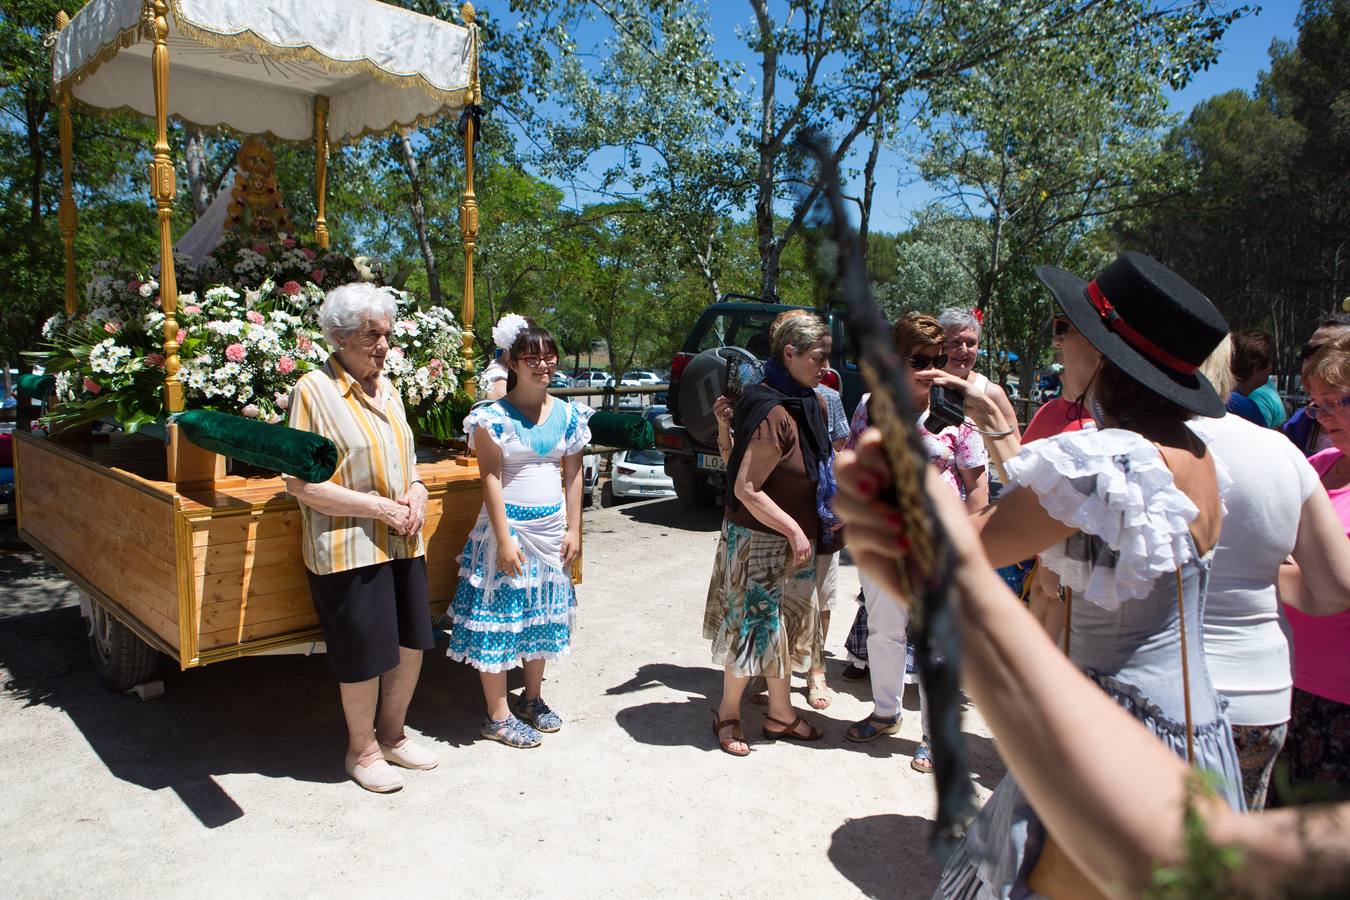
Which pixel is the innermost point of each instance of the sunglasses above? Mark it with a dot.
(1061, 325)
(919, 362)
(1316, 412)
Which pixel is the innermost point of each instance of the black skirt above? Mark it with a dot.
(368, 613)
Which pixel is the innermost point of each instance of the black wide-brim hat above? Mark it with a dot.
(1150, 322)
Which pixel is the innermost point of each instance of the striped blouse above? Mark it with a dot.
(376, 455)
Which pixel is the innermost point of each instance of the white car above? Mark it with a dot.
(638, 377)
(595, 378)
(637, 474)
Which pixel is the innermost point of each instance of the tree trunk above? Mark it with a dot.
(194, 154)
(34, 113)
(869, 187)
(769, 249)
(420, 221)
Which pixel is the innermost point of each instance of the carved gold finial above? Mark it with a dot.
(470, 16)
(62, 19)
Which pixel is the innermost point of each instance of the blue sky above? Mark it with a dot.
(900, 192)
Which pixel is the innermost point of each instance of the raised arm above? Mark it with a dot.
(1113, 795)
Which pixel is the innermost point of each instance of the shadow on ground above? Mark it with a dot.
(277, 716)
(885, 856)
(672, 513)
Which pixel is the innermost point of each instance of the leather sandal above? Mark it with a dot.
(817, 691)
(872, 727)
(789, 732)
(736, 736)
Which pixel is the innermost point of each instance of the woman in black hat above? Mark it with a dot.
(1127, 515)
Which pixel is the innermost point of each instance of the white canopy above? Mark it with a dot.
(257, 65)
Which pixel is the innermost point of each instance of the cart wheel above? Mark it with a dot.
(121, 659)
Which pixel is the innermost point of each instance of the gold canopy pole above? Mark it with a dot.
(163, 187)
(468, 210)
(320, 169)
(68, 217)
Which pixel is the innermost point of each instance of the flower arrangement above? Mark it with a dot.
(243, 343)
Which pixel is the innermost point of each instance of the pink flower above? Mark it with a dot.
(290, 288)
(182, 336)
(192, 309)
(91, 385)
(435, 366)
(304, 344)
(317, 276)
(285, 365)
(112, 327)
(260, 248)
(235, 353)
(251, 411)
(288, 243)
(133, 285)
(396, 352)
(155, 359)
(159, 304)
(309, 253)
(255, 317)
(283, 400)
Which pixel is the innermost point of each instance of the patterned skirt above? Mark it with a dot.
(1316, 754)
(761, 617)
(501, 620)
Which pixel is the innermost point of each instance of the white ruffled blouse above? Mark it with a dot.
(1113, 486)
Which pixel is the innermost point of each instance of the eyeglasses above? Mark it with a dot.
(1317, 412)
(918, 361)
(534, 362)
(1061, 325)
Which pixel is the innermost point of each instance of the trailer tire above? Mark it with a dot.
(693, 491)
(121, 659)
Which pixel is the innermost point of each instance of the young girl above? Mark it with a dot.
(515, 603)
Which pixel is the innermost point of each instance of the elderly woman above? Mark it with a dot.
(1317, 748)
(760, 616)
(963, 332)
(362, 535)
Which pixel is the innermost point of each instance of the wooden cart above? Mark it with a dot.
(172, 556)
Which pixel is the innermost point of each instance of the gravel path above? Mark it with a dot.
(232, 782)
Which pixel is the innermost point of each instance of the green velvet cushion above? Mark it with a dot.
(35, 385)
(307, 456)
(627, 432)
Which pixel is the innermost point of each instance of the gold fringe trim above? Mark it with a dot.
(128, 38)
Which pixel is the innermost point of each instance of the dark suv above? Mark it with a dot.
(688, 433)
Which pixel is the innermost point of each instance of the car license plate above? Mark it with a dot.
(709, 461)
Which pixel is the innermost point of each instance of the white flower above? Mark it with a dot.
(251, 411)
(52, 325)
(106, 356)
(507, 329)
(149, 288)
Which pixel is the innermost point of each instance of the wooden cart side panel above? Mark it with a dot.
(248, 580)
(104, 532)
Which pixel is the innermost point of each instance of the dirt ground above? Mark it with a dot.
(232, 782)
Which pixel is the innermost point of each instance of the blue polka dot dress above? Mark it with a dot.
(502, 620)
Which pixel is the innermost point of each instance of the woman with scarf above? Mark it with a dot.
(760, 616)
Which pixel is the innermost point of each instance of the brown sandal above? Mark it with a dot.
(789, 732)
(736, 736)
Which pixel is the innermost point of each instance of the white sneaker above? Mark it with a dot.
(410, 755)
(379, 776)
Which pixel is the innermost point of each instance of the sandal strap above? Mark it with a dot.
(787, 726)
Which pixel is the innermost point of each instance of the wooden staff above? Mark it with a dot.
(468, 210)
(68, 218)
(163, 187)
(320, 170)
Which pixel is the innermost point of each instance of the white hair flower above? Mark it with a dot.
(507, 329)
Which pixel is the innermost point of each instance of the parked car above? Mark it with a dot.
(593, 378)
(590, 474)
(637, 474)
(736, 327)
(638, 376)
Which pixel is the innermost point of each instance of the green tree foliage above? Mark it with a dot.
(1264, 229)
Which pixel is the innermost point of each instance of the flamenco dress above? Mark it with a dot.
(1132, 536)
(503, 620)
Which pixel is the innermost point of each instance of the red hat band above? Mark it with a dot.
(1113, 321)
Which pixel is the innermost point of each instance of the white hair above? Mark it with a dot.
(953, 319)
(346, 308)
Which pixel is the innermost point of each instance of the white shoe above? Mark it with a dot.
(379, 776)
(410, 755)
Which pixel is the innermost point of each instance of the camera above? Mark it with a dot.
(946, 409)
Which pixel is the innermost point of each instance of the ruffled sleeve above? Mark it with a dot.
(1112, 486)
(492, 419)
(578, 433)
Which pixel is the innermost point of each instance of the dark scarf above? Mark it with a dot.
(780, 389)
